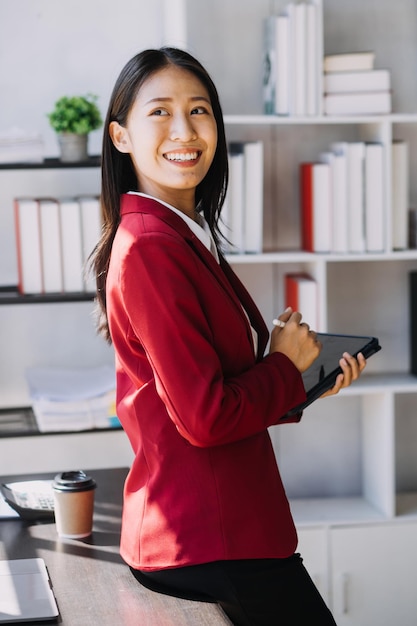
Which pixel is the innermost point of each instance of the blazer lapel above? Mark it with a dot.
(132, 203)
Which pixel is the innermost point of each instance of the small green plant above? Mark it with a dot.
(78, 114)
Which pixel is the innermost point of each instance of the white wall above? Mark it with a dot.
(49, 49)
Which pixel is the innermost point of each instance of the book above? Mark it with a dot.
(374, 197)
(338, 183)
(355, 161)
(315, 200)
(28, 245)
(235, 196)
(356, 209)
(413, 321)
(349, 62)
(312, 59)
(399, 193)
(71, 240)
(357, 82)
(299, 52)
(91, 232)
(269, 64)
(253, 196)
(301, 294)
(50, 245)
(282, 65)
(369, 103)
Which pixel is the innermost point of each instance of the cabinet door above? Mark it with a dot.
(313, 547)
(374, 572)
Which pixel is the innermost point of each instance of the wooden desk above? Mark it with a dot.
(92, 585)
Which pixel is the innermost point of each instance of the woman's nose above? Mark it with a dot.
(182, 129)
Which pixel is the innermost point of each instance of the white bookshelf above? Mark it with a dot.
(349, 467)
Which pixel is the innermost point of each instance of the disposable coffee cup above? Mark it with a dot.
(74, 504)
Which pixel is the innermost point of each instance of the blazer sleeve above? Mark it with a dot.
(161, 282)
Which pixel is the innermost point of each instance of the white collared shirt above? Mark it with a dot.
(200, 229)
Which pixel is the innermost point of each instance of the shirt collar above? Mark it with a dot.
(200, 229)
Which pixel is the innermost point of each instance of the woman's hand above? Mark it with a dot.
(352, 369)
(295, 340)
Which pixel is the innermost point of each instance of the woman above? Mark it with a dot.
(205, 512)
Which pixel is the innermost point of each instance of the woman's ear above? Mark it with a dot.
(120, 137)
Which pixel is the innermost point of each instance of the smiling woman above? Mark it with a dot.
(205, 514)
(171, 139)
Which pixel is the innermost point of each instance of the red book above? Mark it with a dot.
(306, 196)
(315, 201)
(301, 295)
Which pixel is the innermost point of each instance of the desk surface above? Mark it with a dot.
(92, 585)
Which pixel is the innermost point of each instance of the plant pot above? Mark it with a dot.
(73, 147)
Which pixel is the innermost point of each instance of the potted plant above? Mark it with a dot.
(73, 118)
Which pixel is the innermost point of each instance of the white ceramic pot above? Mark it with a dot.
(73, 147)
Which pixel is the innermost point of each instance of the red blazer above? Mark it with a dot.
(193, 400)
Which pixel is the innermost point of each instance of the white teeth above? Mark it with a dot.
(176, 156)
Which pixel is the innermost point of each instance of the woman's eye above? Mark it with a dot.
(198, 111)
(159, 112)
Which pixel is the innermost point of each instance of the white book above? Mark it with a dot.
(282, 95)
(349, 62)
(312, 59)
(356, 82)
(28, 245)
(91, 224)
(270, 62)
(369, 103)
(338, 173)
(72, 253)
(400, 194)
(374, 197)
(276, 69)
(298, 45)
(356, 209)
(51, 245)
(236, 196)
(322, 207)
(253, 192)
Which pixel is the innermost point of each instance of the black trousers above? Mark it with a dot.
(253, 592)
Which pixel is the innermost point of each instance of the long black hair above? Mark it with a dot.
(117, 172)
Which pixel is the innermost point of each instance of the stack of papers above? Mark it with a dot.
(73, 399)
(19, 146)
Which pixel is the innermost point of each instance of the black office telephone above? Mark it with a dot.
(31, 499)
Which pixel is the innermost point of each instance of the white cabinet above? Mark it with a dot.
(374, 570)
(314, 549)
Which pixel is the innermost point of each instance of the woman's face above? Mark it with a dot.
(171, 135)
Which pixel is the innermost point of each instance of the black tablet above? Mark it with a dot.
(322, 374)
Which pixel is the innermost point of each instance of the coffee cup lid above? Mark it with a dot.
(73, 481)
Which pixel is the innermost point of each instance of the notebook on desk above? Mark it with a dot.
(26, 592)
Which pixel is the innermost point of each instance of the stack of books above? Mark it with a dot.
(352, 85)
(293, 55)
(54, 238)
(73, 399)
(242, 214)
(19, 146)
(343, 199)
